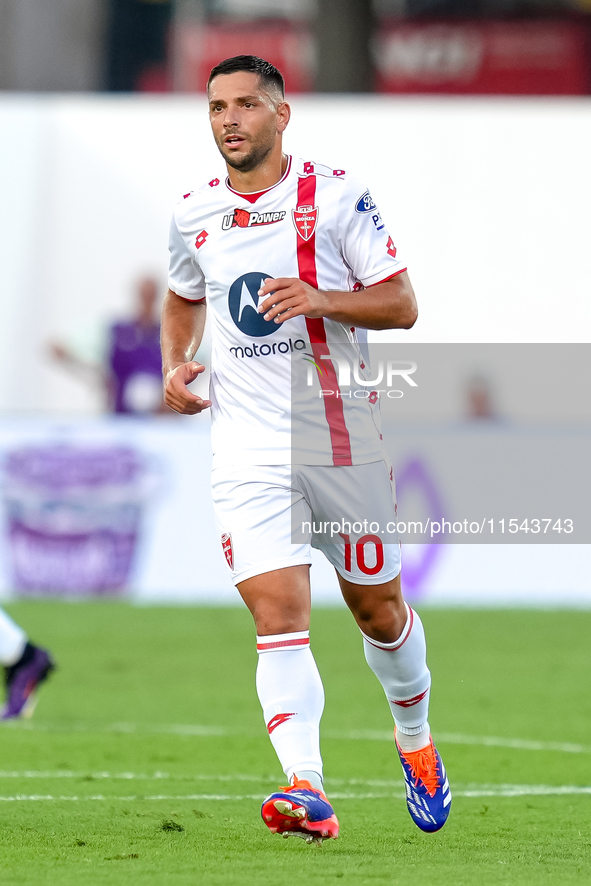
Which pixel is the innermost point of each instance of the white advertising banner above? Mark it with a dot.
(95, 507)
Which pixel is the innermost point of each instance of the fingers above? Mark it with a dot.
(272, 291)
(187, 407)
(176, 394)
(284, 310)
(288, 297)
(191, 371)
(282, 299)
(274, 285)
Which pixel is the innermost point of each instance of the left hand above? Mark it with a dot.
(291, 298)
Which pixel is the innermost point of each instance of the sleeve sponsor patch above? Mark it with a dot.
(366, 203)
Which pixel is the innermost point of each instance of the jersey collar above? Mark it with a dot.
(253, 196)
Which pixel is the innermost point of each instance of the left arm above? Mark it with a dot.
(388, 305)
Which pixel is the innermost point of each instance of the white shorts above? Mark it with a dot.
(269, 517)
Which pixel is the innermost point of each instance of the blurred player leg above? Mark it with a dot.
(12, 640)
(25, 667)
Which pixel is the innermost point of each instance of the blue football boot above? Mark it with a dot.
(300, 811)
(428, 795)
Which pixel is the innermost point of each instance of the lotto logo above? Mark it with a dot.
(214, 183)
(308, 168)
(410, 702)
(390, 248)
(338, 172)
(200, 239)
(277, 720)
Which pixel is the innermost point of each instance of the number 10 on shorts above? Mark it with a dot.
(358, 551)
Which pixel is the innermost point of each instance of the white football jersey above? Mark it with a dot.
(321, 225)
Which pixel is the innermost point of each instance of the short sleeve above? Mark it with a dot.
(184, 274)
(366, 245)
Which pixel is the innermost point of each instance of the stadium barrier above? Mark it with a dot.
(100, 506)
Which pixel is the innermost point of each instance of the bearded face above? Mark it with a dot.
(245, 119)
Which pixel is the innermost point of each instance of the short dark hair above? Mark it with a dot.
(268, 73)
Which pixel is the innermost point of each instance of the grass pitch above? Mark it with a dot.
(147, 759)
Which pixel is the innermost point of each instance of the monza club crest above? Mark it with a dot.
(227, 549)
(305, 219)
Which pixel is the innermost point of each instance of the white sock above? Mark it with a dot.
(292, 697)
(414, 741)
(12, 641)
(401, 668)
(306, 775)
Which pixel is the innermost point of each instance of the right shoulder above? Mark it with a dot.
(201, 198)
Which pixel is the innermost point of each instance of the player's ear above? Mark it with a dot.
(283, 115)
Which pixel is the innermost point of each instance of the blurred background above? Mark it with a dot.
(517, 47)
(470, 122)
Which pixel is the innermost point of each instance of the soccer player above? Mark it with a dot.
(25, 667)
(294, 262)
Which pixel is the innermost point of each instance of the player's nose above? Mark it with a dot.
(231, 118)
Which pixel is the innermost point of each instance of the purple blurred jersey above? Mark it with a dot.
(136, 365)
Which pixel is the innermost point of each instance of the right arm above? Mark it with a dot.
(183, 322)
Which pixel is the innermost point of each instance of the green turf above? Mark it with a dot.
(111, 731)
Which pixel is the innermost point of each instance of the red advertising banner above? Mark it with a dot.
(524, 57)
(199, 48)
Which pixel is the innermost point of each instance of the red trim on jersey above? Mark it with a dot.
(282, 644)
(391, 277)
(333, 405)
(253, 197)
(192, 301)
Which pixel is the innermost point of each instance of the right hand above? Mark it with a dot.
(176, 393)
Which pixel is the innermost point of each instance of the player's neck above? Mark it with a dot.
(267, 174)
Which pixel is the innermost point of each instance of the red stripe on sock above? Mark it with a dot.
(282, 644)
(333, 405)
(400, 643)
